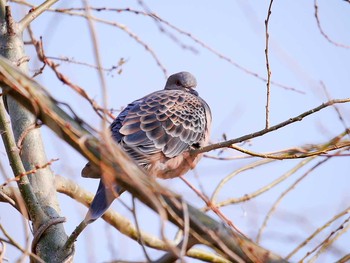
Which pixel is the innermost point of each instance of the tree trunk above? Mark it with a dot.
(37, 188)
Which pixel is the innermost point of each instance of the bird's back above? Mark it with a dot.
(158, 130)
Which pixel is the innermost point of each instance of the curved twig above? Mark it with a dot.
(322, 32)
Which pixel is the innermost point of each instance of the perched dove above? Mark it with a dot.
(158, 131)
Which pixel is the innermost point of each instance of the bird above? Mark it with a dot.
(157, 131)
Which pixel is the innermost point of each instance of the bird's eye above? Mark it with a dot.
(178, 83)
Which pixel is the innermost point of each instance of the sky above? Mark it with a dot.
(299, 57)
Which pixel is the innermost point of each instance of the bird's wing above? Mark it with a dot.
(166, 121)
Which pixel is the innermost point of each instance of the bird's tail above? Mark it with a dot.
(102, 201)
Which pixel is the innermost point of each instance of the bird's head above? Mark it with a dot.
(182, 81)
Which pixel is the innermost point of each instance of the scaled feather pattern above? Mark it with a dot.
(158, 131)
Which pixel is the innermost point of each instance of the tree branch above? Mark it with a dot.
(34, 13)
(17, 166)
(123, 225)
(268, 83)
(322, 31)
(38, 189)
(2, 10)
(118, 166)
(272, 128)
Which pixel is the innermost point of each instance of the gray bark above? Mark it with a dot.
(38, 189)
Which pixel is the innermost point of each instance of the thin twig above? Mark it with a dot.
(336, 108)
(16, 162)
(326, 240)
(64, 79)
(25, 133)
(322, 32)
(34, 13)
(268, 83)
(98, 61)
(211, 205)
(2, 250)
(122, 224)
(157, 18)
(19, 247)
(140, 239)
(294, 155)
(345, 258)
(280, 198)
(317, 231)
(71, 60)
(333, 236)
(272, 128)
(264, 189)
(136, 38)
(186, 232)
(233, 174)
(32, 171)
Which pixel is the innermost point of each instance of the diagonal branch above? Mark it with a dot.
(34, 13)
(123, 225)
(129, 175)
(16, 163)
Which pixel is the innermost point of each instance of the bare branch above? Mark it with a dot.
(13, 197)
(211, 205)
(278, 201)
(322, 32)
(319, 230)
(319, 151)
(97, 57)
(64, 79)
(273, 128)
(232, 175)
(268, 83)
(18, 246)
(32, 171)
(336, 108)
(140, 238)
(129, 175)
(16, 163)
(123, 225)
(332, 237)
(116, 68)
(258, 192)
(157, 18)
(34, 13)
(346, 258)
